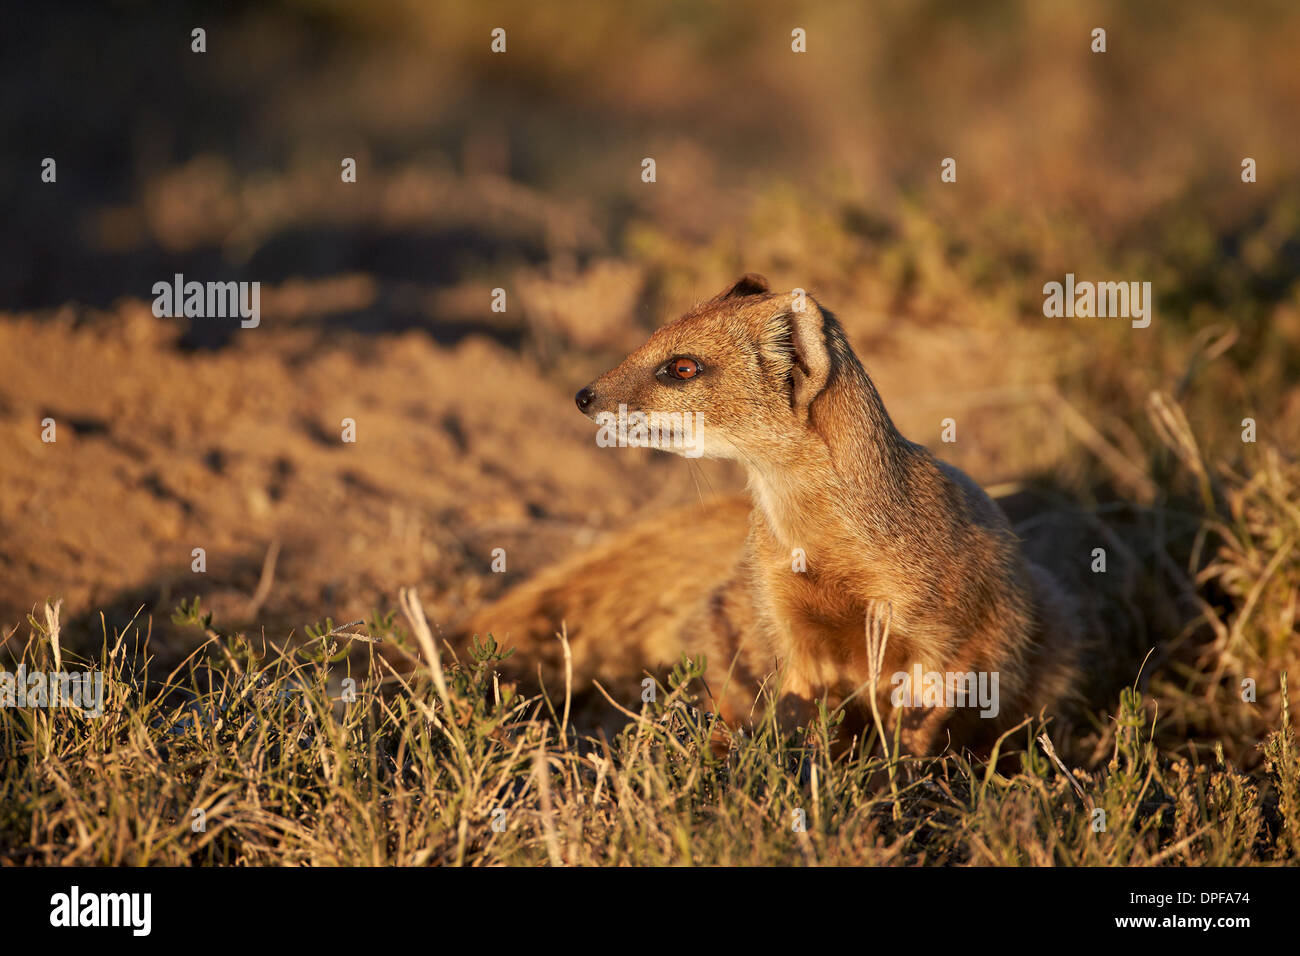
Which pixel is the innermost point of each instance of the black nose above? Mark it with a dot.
(584, 399)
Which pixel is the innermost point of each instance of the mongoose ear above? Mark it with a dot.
(796, 341)
(751, 283)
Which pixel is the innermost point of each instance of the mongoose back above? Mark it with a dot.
(846, 517)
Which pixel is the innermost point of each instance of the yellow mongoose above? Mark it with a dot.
(846, 516)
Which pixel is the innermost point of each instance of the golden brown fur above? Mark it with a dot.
(877, 518)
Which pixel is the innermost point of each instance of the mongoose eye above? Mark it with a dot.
(682, 367)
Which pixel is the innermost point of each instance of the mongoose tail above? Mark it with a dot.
(630, 606)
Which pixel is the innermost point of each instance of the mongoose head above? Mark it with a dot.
(746, 367)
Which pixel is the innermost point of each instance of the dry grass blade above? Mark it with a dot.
(52, 631)
(1171, 425)
(542, 774)
(563, 637)
(414, 612)
(266, 579)
(879, 619)
(1048, 749)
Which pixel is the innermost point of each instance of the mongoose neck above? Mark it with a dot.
(845, 475)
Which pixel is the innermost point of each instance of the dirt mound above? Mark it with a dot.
(459, 449)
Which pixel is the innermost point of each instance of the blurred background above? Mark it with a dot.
(522, 171)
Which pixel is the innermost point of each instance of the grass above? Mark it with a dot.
(254, 752)
(1068, 162)
(316, 750)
